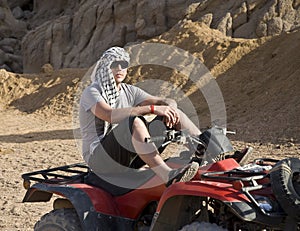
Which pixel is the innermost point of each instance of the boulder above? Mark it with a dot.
(11, 33)
(275, 26)
(225, 25)
(9, 26)
(18, 12)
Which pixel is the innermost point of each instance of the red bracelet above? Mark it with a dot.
(152, 108)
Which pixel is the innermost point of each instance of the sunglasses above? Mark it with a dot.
(116, 64)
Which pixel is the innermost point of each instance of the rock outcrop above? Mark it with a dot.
(73, 33)
(11, 32)
(248, 18)
(77, 39)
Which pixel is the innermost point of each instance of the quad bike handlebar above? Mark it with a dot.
(209, 144)
(179, 137)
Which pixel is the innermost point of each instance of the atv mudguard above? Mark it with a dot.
(87, 201)
(181, 200)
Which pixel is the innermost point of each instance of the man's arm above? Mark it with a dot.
(159, 101)
(114, 115)
(166, 107)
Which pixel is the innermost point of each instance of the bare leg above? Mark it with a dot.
(148, 151)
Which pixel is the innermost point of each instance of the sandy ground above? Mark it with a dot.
(29, 142)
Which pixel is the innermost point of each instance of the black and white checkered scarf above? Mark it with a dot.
(103, 75)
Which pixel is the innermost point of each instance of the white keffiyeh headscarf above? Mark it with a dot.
(103, 75)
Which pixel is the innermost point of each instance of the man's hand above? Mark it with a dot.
(171, 116)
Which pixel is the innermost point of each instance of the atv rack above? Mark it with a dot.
(244, 181)
(58, 175)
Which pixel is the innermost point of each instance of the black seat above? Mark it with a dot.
(134, 181)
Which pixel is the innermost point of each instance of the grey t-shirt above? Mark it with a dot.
(91, 127)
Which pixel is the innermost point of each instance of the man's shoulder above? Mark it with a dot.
(92, 87)
(129, 87)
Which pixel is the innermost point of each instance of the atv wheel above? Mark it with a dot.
(285, 180)
(59, 220)
(202, 226)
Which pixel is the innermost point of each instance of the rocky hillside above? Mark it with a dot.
(259, 80)
(73, 33)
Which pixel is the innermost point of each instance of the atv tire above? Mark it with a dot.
(59, 220)
(285, 181)
(202, 226)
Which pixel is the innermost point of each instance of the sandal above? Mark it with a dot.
(183, 174)
(242, 156)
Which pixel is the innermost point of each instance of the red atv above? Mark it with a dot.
(262, 195)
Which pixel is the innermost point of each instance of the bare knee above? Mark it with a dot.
(138, 123)
(139, 133)
(139, 127)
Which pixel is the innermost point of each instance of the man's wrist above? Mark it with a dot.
(152, 109)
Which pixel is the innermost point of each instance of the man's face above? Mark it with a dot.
(119, 70)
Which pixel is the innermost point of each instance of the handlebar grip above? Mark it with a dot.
(155, 139)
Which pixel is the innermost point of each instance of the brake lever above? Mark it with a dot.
(170, 136)
(166, 143)
(224, 130)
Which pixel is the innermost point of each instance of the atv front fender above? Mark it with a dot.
(220, 191)
(181, 200)
(95, 207)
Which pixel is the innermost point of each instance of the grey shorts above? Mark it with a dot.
(117, 145)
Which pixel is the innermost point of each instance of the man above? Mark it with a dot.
(112, 125)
